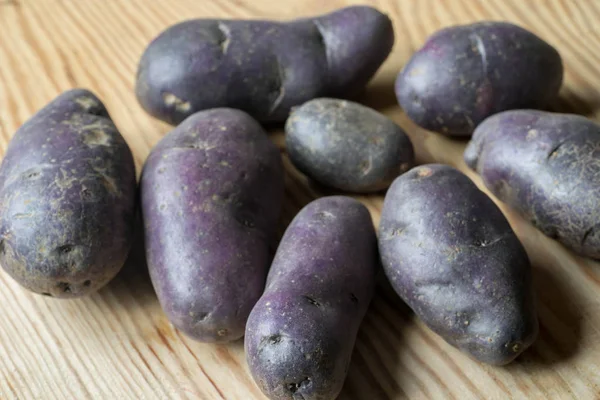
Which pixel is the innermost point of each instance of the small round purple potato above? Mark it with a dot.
(211, 191)
(466, 73)
(449, 252)
(346, 145)
(547, 167)
(261, 67)
(301, 333)
(67, 199)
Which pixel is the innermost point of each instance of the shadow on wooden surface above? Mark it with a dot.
(381, 340)
(380, 94)
(377, 352)
(134, 277)
(329, 191)
(560, 322)
(575, 103)
(298, 194)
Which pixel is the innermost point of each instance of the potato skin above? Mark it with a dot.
(211, 195)
(451, 255)
(346, 145)
(466, 73)
(261, 67)
(547, 167)
(301, 333)
(67, 199)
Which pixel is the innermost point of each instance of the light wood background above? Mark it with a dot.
(117, 344)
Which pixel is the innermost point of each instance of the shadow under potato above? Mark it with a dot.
(574, 103)
(134, 277)
(560, 323)
(380, 340)
(379, 95)
(297, 195)
(376, 357)
(330, 191)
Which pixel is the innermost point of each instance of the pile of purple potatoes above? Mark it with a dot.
(211, 191)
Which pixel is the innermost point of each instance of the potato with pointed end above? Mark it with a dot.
(67, 198)
(211, 194)
(261, 67)
(547, 167)
(466, 73)
(301, 333)
(346, 145)
(451, 255)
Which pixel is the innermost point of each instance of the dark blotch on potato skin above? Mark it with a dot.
(449, 252)
(466, 73)
(547, 167)
(67, 198)
(211, 193)
(346, 145)
(301, 333)
(261, 67)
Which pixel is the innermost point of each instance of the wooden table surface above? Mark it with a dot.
(117, 344)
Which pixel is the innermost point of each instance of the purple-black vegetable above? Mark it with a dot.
(261, 67)
(211, 195)
(466, 73)
(547, 167)
(451, 255)
(346, 145)
(301, 333)
(67, 198)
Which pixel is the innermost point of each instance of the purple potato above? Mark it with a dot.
(261, 67)
(466, 73)
(67, 198)
(301, 333)
(547, 167)
(211, 194)
(451, 255)
(346, 145)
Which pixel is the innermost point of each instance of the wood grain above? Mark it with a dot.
(117, 343)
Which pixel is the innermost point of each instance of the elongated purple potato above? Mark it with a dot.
(261, 67)
(547, 167)
(67, 198)
(466, 73)
(301, 333)
(451, 255)
(211, 195)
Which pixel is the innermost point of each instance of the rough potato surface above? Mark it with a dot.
(67, 198)
(466, 73)
(261, 67)
(211, 195)
(301, 333)
(547, 167)
(451, 255)
(346, 145)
